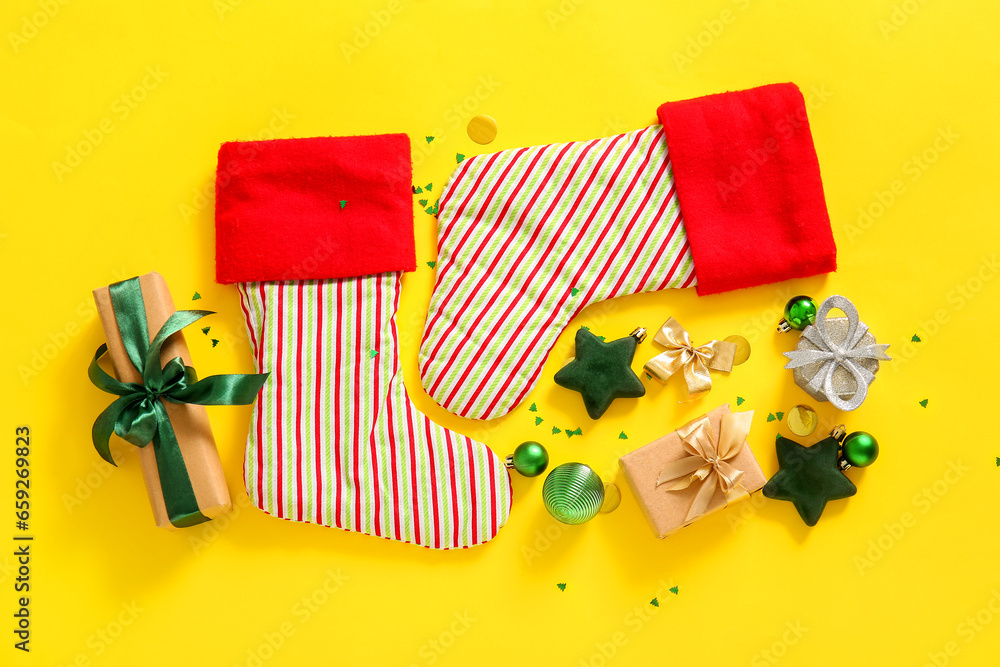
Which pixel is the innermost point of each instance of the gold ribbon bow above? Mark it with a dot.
(716, 355)
(708, 463)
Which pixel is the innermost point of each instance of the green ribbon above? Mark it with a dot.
(138, 414)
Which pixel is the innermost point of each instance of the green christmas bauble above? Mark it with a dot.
(800, 312)
(860, 449)
(573, 493)
(530, 459)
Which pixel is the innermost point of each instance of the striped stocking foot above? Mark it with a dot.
(527, 239)
(335, 439)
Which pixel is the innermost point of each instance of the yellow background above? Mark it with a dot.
(885, 81)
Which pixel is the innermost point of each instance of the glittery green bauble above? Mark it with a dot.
(573, 493)
(530, 459)
(800, 312)
(860, 449)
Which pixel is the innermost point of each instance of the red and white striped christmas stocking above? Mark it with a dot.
(316, 233)
(529, 237)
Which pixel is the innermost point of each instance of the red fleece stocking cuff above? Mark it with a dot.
(303, 209)
(749, 187)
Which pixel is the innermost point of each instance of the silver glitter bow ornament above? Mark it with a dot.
(837, 357)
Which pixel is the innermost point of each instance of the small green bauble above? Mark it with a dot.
(860, 449)
(800, 312)
(530, 459)
(573, 493)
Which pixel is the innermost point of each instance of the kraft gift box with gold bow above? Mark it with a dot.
(697, 469)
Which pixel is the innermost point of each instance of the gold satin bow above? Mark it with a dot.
(695, 361)
(707, 463)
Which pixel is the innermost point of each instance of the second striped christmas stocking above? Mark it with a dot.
(725, 193)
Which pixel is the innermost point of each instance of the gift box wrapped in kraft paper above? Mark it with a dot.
(160, 404)
(696, 470)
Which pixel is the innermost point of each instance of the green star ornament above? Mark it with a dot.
(808, 477)
(601, 371)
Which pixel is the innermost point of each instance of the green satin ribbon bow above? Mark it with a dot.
(138, 415)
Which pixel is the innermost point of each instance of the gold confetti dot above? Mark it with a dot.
(482, 129)
(742, 349)
(802, 420)
(612, 498)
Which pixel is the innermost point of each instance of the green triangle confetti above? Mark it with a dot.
(196, 297)
(432, 264)
(417, 190)
(429, 187)
(916, 338)
(538, 420)
(998, 461)
(779, 415)
(585, 327)
(556, 429)
(422, 202)
(622, 436)
(655, 602)
(574, 291)
(562, 587)
(373, 353)
(343, 203)
(533, 408)
(459, 157)
(648, 376)
(923, 403)
(739, 400)
(215, 341)
(205, 330)
(770, 417)
(570, 434)
(675, 590)
(429, 139)
(601, 337)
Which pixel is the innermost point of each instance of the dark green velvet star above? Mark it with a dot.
(809, 477)
(601, 372)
